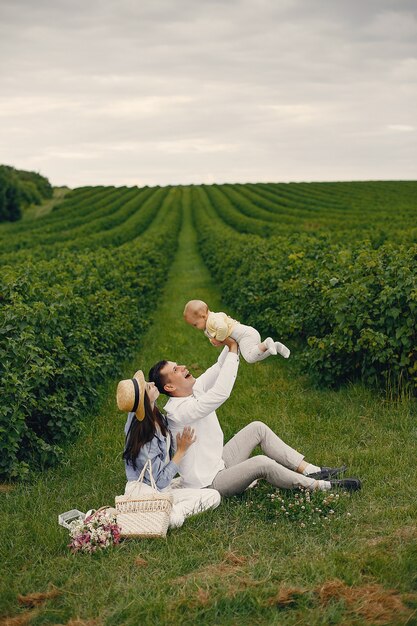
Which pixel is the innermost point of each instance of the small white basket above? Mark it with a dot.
(65, 519)
(144, 515)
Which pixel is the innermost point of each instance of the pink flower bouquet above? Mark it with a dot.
(94, 533)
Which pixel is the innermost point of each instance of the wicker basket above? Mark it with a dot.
(147, 514)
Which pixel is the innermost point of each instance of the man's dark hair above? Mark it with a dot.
(156, 377)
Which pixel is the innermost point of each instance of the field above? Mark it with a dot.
(94, 289)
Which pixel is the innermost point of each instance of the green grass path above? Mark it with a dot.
(222, 567)
(35, 211)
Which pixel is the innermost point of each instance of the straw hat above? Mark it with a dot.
(130, 395)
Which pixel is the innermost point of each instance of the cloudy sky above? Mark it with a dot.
(190, 91)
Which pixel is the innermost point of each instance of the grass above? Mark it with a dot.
(243, 563)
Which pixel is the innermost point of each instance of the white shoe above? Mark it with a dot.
(270, 345)
(282, 350)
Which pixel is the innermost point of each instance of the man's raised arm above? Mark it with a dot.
(205, 401)
(208, 378)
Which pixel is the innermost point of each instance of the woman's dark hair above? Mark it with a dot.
(155, 376)
(142, 432)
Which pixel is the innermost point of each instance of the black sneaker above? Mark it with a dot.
(348, 484)
(326, 473)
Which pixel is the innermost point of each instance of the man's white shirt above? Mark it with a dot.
(203, 460)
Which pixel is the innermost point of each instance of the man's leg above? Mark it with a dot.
(236, 478)
(240, 446)
(277, 466)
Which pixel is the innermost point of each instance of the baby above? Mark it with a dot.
(218, 326)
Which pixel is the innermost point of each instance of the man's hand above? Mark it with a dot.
(229, 342)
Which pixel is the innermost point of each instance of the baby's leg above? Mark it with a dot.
(282, 350)
(268, 346)
(249, 341)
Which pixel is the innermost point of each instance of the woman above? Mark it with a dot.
(148, 437)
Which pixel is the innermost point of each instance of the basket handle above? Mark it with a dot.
(102, 508)
(147, 466)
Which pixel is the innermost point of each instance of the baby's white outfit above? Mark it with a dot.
(220, 325)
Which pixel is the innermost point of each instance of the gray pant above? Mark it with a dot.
(276, 465)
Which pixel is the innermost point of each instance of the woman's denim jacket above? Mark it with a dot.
(156, 451)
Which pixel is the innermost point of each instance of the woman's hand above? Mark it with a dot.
(184, 441)
(215, 342)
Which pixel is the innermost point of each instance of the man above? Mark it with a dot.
(229, 468)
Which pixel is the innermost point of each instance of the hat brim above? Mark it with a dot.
(140, 411)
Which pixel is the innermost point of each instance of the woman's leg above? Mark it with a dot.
(240, 447)
(187, 502)
(236, 478)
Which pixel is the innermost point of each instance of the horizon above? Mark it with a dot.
(229, 182)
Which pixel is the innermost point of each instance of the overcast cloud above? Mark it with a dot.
(190, 91)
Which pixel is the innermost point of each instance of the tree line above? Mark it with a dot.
(18, 189)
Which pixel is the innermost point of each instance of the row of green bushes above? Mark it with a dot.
(309, 196)
(353, 307)
(120, 217)
(75, 210)
(257, 210)
(66, 325)
(33, 224)
(18, 189)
